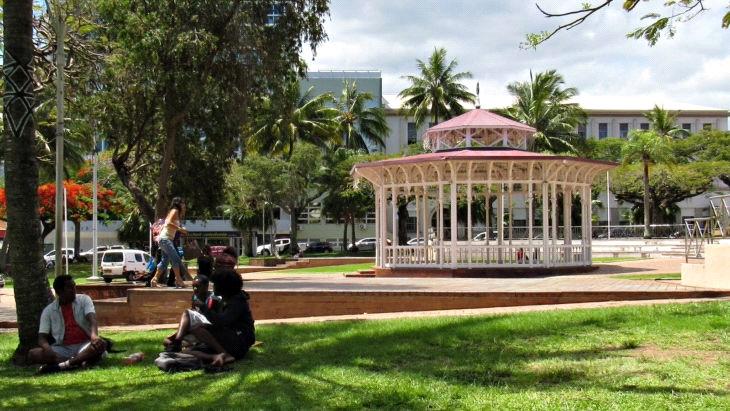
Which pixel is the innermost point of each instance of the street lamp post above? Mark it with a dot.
(94, 218)
(60, 63)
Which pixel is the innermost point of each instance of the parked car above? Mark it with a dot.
(483, 236)
(319, 247)
(123, 263)
(88, 255)
(416, 241)
(363, 244)
(50, 257)
(282, 244)
(2, 281)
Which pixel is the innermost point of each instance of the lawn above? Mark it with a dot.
(333, 269)
(656, 357)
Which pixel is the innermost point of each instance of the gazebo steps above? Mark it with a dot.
(361, 274)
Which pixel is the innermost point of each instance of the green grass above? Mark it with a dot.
(333, 269)
(79, 271)
(660, 357)
(672, 276)
(616, 259)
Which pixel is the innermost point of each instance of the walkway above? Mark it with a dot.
(601, 280)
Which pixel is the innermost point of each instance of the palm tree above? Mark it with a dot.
(664, 123)
(21, 173)
(648, 147)
(542, 103)
(359, 124)
(290, 118)
(437, 91)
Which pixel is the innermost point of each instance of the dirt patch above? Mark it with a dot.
(663, 354)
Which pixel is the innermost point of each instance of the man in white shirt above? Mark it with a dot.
(68, 335)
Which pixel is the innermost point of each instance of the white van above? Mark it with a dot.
(123, 264)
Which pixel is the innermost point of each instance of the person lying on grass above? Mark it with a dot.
(224, 332)
(68, 336)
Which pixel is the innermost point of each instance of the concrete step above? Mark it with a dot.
(361, 274)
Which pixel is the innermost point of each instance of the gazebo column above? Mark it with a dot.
(510, 231)
(567, 223)
(426, 225)
(383, 224)
(545, 222)
(469, 234)
(529, 252)
(394, 222)
(454, 234)
(378, 252)
(500, 224)
(589, 253)
(554, 217)
(440, 237)
(585, 218)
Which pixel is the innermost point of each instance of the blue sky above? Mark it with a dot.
(484, 36)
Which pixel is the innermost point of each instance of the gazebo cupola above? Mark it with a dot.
(480, 202)
(478, 128)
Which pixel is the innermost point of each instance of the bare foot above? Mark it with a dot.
(222, 359)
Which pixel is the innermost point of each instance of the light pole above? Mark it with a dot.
(94, 218)
(60, 63)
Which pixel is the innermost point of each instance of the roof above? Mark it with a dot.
(480, 118)
(483, 154)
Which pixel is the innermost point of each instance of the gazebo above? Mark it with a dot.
(483, 204)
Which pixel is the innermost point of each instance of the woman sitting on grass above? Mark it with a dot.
(226, 331)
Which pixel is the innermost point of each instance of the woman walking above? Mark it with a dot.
(173, 227)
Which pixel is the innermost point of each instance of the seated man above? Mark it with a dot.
(68, 335)
(226, 330)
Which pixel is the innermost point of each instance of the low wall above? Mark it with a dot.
(150, 306)
(104, 291)
(501, 272)
(714, 273)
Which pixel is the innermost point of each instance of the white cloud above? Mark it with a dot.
(484, 36)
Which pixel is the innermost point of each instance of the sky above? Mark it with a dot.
(484, 37)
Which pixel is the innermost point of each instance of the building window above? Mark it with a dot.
(277, 213)
(687, 126)
(644, 126)
(602, 130)
(370, 217)
(707, 126)
(412, 133)
(582, 130)
(623, 130)
(313, 215)
(274, 15)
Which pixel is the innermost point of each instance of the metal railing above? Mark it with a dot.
(703, 230)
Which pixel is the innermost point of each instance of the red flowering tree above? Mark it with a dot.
(79, 200)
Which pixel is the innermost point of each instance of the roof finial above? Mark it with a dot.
(479, 102)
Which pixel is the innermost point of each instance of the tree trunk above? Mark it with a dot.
(4, 256)
(344, 237)
(247, 236)
(352, 222)
(137, 193)
(294, 246)
(402, 223)
(272, 240)
(647, 204)
(21, 175)
(173, 122)
(77, 237)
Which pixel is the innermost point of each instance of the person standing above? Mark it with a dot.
(173, 226)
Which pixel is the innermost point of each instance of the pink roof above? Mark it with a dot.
(480, 118)
(478, 154)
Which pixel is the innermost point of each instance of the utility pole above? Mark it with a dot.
(94, 227)
(60, 64)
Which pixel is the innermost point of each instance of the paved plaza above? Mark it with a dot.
(601, 280)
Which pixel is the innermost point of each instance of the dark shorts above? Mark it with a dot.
(234, 344)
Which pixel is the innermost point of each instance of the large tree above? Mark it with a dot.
(707, 145)
(289, 118)
(542, 102)
(437, 92)
(663, 21)
(664, 123)
(646, 147)
(21, 173)
(180, 80)
(359, 124)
